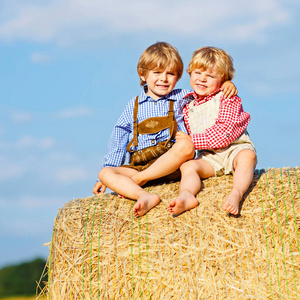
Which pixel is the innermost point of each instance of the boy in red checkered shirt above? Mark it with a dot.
(217, 127)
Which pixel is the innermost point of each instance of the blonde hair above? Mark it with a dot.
(206, 57)
(160, 55)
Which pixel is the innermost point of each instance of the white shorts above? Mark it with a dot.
(222, 159)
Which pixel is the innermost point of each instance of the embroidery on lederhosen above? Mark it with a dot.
(148, 126)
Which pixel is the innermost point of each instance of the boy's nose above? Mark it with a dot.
(163, 76)
(202, 77)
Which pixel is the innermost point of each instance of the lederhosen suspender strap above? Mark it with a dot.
(153, 125)
(134, 141)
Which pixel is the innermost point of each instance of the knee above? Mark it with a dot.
(188, 165)
(247, 156)
(251, 156)
(186, 148)
(104, 173)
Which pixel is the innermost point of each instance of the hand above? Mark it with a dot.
(181, 135)
(229, 89)
(99, 188)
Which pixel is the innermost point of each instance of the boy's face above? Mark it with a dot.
(204, 82)
(160, 82)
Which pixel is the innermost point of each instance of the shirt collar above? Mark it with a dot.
(196, 97)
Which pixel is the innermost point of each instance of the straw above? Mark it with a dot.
(99, 250)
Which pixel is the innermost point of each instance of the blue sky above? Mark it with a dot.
(67, 69)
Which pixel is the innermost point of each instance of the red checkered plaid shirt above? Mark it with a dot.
(231, 122)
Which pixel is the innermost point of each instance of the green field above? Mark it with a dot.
(19, 281)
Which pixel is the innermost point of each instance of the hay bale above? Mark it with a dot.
(100, 251)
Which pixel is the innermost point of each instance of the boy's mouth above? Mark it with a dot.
(201, 86)
(162, 86)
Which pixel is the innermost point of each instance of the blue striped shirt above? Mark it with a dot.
(148, 107)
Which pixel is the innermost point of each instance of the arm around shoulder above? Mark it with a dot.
(229, 89)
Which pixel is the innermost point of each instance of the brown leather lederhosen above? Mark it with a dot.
(142, 159)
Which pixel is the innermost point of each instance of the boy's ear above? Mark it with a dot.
(143, 78)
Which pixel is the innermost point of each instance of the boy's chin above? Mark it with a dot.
(162, 93)
(202, 94)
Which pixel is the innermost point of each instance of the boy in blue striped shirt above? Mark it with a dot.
(147, 128)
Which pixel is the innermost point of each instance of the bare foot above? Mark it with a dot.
(138, 180)
(232, 202)
(144, 203)
(183, 202)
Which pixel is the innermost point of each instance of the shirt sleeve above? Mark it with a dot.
(180, 116)
(230, 124)
(186, 119)
(119, 139)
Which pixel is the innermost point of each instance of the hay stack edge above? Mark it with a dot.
(100, 251)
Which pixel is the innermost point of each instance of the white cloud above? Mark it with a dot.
(37, 57)
(32, 142)
(28, 142)
(74, 112)
(30, 201)
(58, 168)
(9, 169)
(69, 174)
(21, 117)
(19, 164)
(71, 21)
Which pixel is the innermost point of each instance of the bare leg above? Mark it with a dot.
(190, 184)
(119, 180)
(168, 163)
(244, 165)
